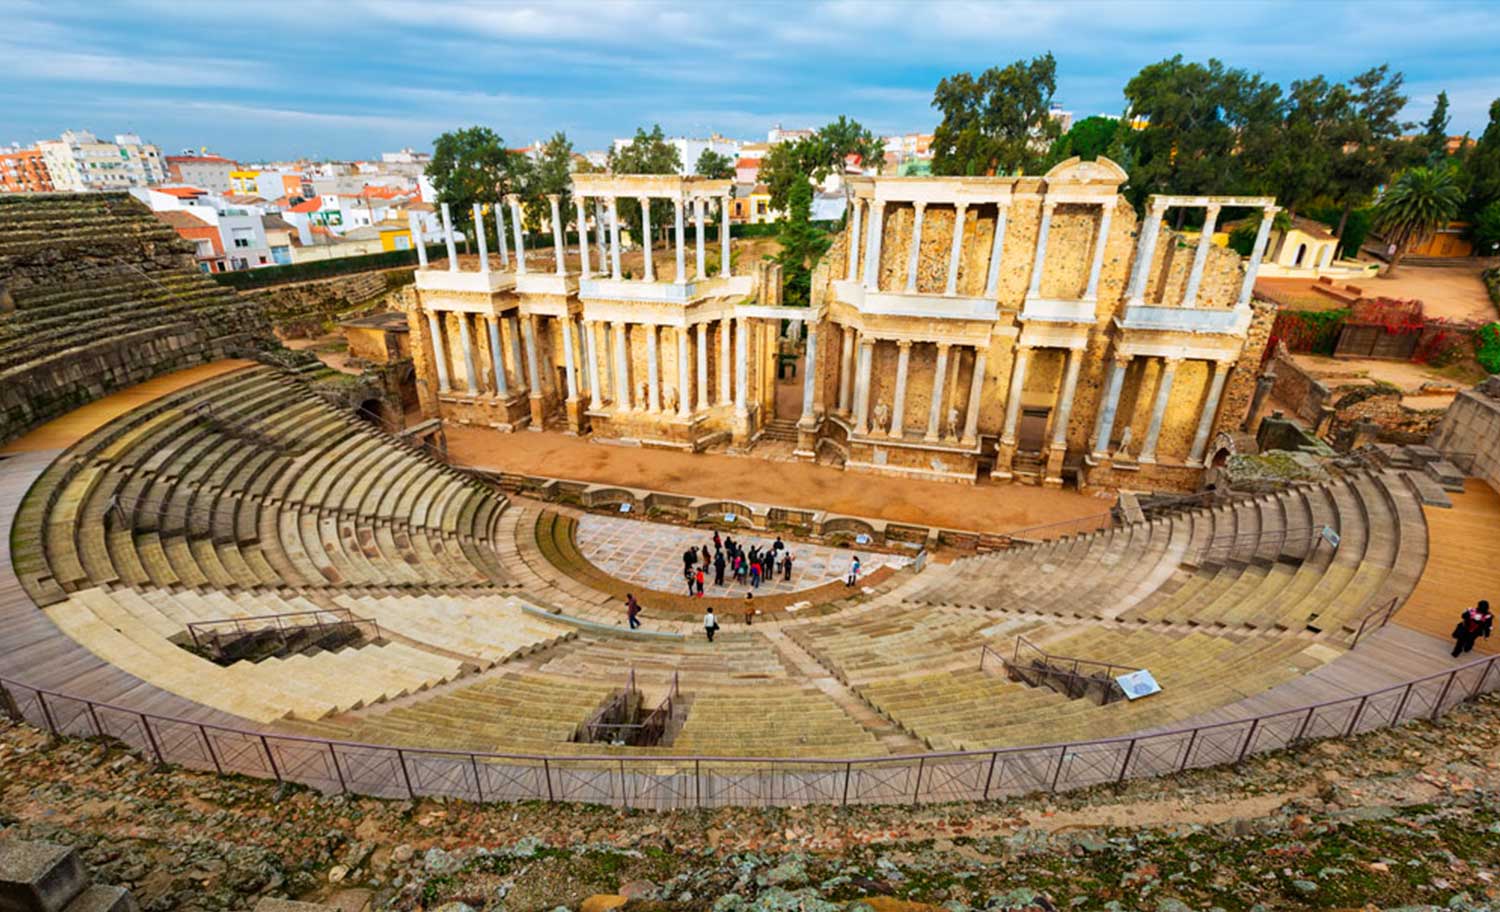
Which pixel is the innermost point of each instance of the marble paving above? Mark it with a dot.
(650, 555)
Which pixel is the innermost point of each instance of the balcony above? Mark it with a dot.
(1233, 321)
(666, 292)
(547, 283)
(903, 304)
(1048, 310)
(464, 282)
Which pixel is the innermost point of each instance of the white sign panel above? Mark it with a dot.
(1138, 684)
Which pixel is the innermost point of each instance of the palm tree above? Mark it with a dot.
(1418, 203)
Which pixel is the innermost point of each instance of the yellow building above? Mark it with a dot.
(244, 181)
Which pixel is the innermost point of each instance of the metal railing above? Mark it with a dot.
(666, 782)
(211, 636)
(1073, 676)
(648, 731)
(1379, 617)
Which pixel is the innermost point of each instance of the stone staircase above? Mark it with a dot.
(780, 429)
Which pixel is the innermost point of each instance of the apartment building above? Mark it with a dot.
(79, 160)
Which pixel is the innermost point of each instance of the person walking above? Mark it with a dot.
(778, 545)
(705, 555)
(699, 580)
(717, 543)
(719, 568)
(749, 608)
(853, 577)
(687, 575)
(1472, 624)
(710, 624)
(632, 611)
(786, 567)
(754, 575)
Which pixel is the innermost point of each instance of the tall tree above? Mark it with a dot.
(1416, 205)
(712, 165)
(1088, 138)
(785, 166)
(553, 174)
(802, 244)
(471, 166)
(1307, 139)
(1435, 130)
(1369, 142)
(998, 122)
(646, 153)
(1483, 166)
(837, 142)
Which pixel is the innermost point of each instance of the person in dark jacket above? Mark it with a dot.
(719, 568)
(1472, 625)
(633, 611)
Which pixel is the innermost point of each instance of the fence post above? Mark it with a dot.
(697, 782)
(1359, 710)
(1249, 739)
(1302, 729)
(916, 792)
(93, 716)
(9, 706)
(547, 773)
(478, 785)
(1057, 776)
(989, 776)
(1437, 708)
(848, 774)
(1400, 707)
(1187, 755)
(1129, 752)
(41, 700)
(270, 758)
(401, 758)
(208, 745)
(337, 768)
(625, 790)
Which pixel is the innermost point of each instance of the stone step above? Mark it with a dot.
(39, 876)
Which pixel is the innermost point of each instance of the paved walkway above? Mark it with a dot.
(650, 555)
(1463, 565)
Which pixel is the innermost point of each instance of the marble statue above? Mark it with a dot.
(952, 422)
(1123, 451)
(882, 417)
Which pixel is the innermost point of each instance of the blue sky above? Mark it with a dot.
(273, 79)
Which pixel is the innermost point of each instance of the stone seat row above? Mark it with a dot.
(735, 656)
(487, 629)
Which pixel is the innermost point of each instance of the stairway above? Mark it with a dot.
(782, 429)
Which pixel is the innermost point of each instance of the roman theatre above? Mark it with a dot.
(212, 557)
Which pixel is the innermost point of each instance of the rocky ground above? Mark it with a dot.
(1395, 819)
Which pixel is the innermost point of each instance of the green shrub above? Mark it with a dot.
(1315, 331)
(1487, 347)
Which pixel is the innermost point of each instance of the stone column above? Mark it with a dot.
(558, 235)
(976, 388)
(1257, 253)
(1100, 242)
(681, 239)
(956, 251)
(854, 243)
(448, 239)
(1200, 256)
(502, 245)
(586, 378)
(846, 371)
(614, 240)
(514, 325)
(591, 351)
(724, 264)
(1159, 409)
(872, 252)
(497, 357)
(601, 233)
(471, 377)
(484, 249)
(862, 387)
(1040, 261)
(1109, 403)
(741, 366)
(898, 405)
(516, 233)
(684, 372)
(1145, 251)
(1065, 400)
(653, 369)
(939, 388)
(648, 264)
(583, 237)
(914, 255)
(435, 329)
(702, 262)
(702, 366)
(809, 374)
(1013, 396)
(533, 368)
(569, 367)
(725, 392)
(997, 251)
(414, 225)
(1219, 371)
(622, 370)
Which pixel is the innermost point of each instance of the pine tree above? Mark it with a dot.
(802, 244)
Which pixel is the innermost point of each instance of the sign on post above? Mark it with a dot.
(1138, 684)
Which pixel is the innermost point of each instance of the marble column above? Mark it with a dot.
(533, 366)
(569, 366)
(724, 263)
(872, 252)
(439, 355)
(515, 229)
(586, 378)
(997, 251)
(898, 404)
(698, 240)
(559, 252)
(514, 327)
(956, 251)
(501, 244)
(846, 372)
(1101, 240)
(862, 387)
(448, 239)
(1218, 371)
(497, 357)
(601, 234)
(591, 351)
(914, 255)
(622, 370)
(684, 374)
(1109, 403)
(648, 265)
(1257, 253)
(471, 377)
(1159, 409)
(681, 238)
(583, 237)
(726, 394)
(741, 366)
(854, 243)
(653, 369)
(1200, 257)
(1039, 263)
(1065, 399)
(809, 373)
(414, 225)
(702, 353)
(484, 248)
(976, 389)
(614, 240)
(939, 388)
(1145, 251)
(1013, 395)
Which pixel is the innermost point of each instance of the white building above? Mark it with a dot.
(241, 230)
(211, 172)
(689, 149)
(79, 160)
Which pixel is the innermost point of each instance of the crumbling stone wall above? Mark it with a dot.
(1298, 389)
(1469, 431)
(303, 309)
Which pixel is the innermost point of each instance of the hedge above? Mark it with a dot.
(322, 269)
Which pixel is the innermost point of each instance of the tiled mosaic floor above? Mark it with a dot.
(650, 554)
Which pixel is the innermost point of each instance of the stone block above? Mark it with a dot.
(1446, 474)
(1428, 491)
(1423, 453)
(38, 876)
(101, 898)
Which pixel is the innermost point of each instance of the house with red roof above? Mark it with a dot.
(210, 172)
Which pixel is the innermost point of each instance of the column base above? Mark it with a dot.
(538, 413)
(577, 417)
(1005, 458)
(1053, 476)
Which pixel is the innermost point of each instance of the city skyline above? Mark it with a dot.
(350, 80)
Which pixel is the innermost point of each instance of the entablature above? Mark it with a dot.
(915, 304)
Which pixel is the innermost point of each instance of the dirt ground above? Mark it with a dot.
(993, 508)
(1452, 293)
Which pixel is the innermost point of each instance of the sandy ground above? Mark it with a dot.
(1449, 292)
(995, 508)
(1407, 375)
(338, 360)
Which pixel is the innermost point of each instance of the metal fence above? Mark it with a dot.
(664, 783)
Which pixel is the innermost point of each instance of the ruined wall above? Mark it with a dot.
(1298, 389)
(304, 309)
(1470, 431)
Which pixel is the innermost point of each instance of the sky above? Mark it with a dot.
(268, 79)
